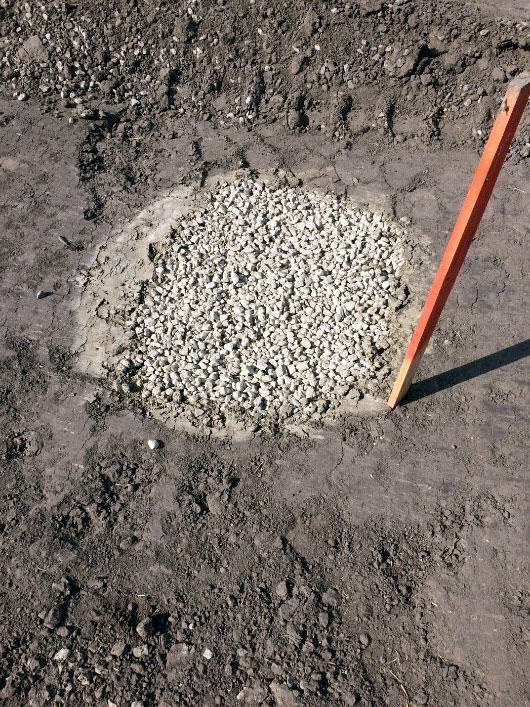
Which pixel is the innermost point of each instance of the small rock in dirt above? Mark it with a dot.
(364, 639)
(55, 616)
(369, 7)
(214, 504)
(294, 634)
(207, 654)
(297, 64)
(498, 74)
(62, 654)
(255, 695)
(140, 651)
(34, 663)
(146, 628)
(177, 654)
(41, 294)
(138, 668)
(311, 23)
(323, 619)
(331, 597)
(33, 50)
(282, 695)
(410, 62)
(294, 119)
(282, 590)
(62, 586)
(154, 443)
(118, 649)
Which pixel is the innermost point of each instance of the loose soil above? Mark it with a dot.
(381, 562)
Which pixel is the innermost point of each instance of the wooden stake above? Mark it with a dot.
(465, 228)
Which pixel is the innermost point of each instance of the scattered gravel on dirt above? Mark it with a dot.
(398, 70)
(268, 302)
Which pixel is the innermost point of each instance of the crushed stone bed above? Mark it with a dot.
(269, 304)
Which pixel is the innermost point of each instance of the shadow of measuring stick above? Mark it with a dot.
(468, 371)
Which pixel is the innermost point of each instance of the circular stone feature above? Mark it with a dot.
(267, 304)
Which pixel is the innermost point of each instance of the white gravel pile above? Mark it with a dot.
(270, 303)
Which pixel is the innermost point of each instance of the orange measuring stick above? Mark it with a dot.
(465, 228)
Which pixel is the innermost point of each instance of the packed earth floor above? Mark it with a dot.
(378, 558)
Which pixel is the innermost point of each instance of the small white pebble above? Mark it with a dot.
(62, 654)
(153, 443)
(207, 654)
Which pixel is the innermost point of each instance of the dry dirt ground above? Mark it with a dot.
(385, 563)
